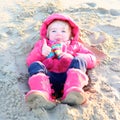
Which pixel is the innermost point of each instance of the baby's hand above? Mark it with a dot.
(45, 49)
(57, 48)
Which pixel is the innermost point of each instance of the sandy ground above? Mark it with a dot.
(20, 22)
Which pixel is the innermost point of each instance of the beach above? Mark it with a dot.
(99, 24)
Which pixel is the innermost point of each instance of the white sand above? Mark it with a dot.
(20, 22)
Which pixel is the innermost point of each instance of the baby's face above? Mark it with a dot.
(59, 31)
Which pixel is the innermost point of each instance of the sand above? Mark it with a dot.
(20, 21)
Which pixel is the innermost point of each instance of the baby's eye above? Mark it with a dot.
(63, 31)
(53, 31)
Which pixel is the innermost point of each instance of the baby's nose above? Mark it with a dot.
(59, 33)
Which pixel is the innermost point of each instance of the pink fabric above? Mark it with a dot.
(75, 81)
(77, 78)
(74, 48)
(40, 83)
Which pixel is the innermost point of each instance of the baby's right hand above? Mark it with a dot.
(45, 49)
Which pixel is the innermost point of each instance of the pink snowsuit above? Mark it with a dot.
(75, 48)
(76, 78)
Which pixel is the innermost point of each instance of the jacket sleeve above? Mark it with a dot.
(87, 55)
(35, 54)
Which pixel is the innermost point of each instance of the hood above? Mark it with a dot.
(56, 16)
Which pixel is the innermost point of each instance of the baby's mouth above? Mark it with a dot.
(58, 39)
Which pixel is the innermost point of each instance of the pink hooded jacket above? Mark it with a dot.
(73, 49)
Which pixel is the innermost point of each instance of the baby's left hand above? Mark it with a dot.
(57, 48)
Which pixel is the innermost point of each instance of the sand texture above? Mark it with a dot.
(20, 21)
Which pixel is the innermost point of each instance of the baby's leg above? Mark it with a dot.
(40, 94)
(73, 93)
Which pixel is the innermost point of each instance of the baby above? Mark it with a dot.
(57, 65)
(58, 33)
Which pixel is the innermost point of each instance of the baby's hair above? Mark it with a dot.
(64, 22)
